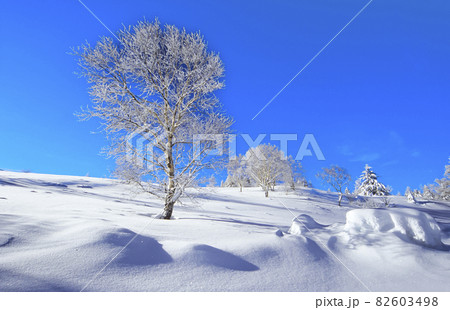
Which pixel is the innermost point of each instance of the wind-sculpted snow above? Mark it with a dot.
(411, 225)
(204, 255)
(302, 224)
(99, 235)
(141, 252)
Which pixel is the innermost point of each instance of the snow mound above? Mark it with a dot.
(136, 250)
(411, 225)
(303, 223)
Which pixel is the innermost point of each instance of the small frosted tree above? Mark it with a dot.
(156, 85)
(410, 195)
(212, 181)
(407, 191)
(293, 174)
(368, 184)
(237, 172)
(427, 192)
(443, 188)
(267, 165)
(417, 193)
(337, 177)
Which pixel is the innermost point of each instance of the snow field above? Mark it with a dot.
(58, 232)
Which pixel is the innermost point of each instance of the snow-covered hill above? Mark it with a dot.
(65, 233)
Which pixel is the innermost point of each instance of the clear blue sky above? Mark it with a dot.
(379, 94)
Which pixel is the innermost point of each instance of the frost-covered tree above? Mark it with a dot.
(368, 184)
(417, 193)
(389, 189)
(293, 174)
(357, 185)
(427, 192)
(303, 182)
(335, 176)
(410, 197)
(212, 181)
(407, 191)
(230, 181)
(267, 165)
(156, 85)
(237, 173)
(443, 188)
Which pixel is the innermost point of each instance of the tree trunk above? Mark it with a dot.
(168, 206)
(340, 199)
(266, 193)
(240, 188)
(169, 203)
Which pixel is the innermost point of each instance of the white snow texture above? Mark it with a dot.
(413, 225)
(68, 233)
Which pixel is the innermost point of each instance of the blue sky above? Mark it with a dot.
(379, 94)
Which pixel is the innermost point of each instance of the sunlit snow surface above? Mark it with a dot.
(58, 232)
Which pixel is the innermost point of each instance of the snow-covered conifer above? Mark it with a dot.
(427, 192)
(417, 193)
(410, 197)
(407, 191)
(369, 184)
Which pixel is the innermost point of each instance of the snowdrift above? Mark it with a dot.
(408, 224)
(302, 224)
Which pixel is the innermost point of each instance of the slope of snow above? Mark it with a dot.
(67, 233)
